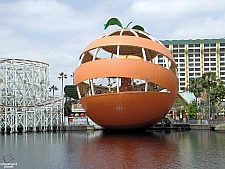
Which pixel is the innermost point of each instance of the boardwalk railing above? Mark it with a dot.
(217, 121)
(212, 122)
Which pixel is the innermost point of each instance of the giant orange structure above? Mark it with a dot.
(118, 80)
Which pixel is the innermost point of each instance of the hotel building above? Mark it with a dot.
(194, 57)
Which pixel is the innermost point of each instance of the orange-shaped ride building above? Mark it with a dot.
(119, 83)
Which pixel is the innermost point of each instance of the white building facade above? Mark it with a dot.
(195, 57)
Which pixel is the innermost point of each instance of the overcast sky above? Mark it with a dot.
(57, 31)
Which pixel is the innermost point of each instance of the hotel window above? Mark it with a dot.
(181, 45)
(182, 79)
(191, 74)
(197, 69)
(197, 64)
(175, 55)
(182, 74)
(176, 60)
(212, 59)
(190, 55)
(175, 46)
(197, 74)
(222, 49)
(222, 68)
(212, 54)
(222, 64)
(212, 44)
(191, 69)
(190, 60)
(167, 46)
(206, 64)
(222, 59)
(213, 50)
(206, 69)
(181, 60)
(197, 50)
(181, 55)
(190, 45)
(181, 51)
(182, 65)
(190, 50)
(206, 50)
(182, 84)
(206, 45)
(197, 60)
(197, 55)
(213, 64)
(206, 59)
(182, 88)
(213, 68)
(160, 56)
(182, 69)
(191, 64)
(222, 44)
(197, 45)
(175, 51)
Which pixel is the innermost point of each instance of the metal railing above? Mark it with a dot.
(215, 121)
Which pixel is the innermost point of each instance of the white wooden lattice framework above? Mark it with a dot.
(24, 99)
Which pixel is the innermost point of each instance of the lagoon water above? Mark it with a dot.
(95, 149)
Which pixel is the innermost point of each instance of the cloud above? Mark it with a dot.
(176, 9)
(46, 31)
(39, 16)
(56, 32)
(200, 28)
(174, 19)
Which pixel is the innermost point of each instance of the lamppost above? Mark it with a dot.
(209, 103)
(72, 76)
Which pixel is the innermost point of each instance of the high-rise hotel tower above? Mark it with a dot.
(194, 57)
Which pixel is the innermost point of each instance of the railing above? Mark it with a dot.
(215, 121)
(77, 106)
(197, 121)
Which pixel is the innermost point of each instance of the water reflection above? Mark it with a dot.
(95, 149)
(128, 151)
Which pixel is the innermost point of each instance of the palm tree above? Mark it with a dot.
(195, 87)
(53, 88)
(209, 81)
(62, 76)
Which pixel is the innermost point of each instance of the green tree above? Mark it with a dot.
(53, 88)
(209, 80)
(210, 84)
(61, 77)
(217, 94)
(67, 105)
(180, 105)
(192, 110)
(195, 87)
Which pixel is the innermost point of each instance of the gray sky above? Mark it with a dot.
(57, 31)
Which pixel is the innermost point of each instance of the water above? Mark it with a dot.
(95, 149)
